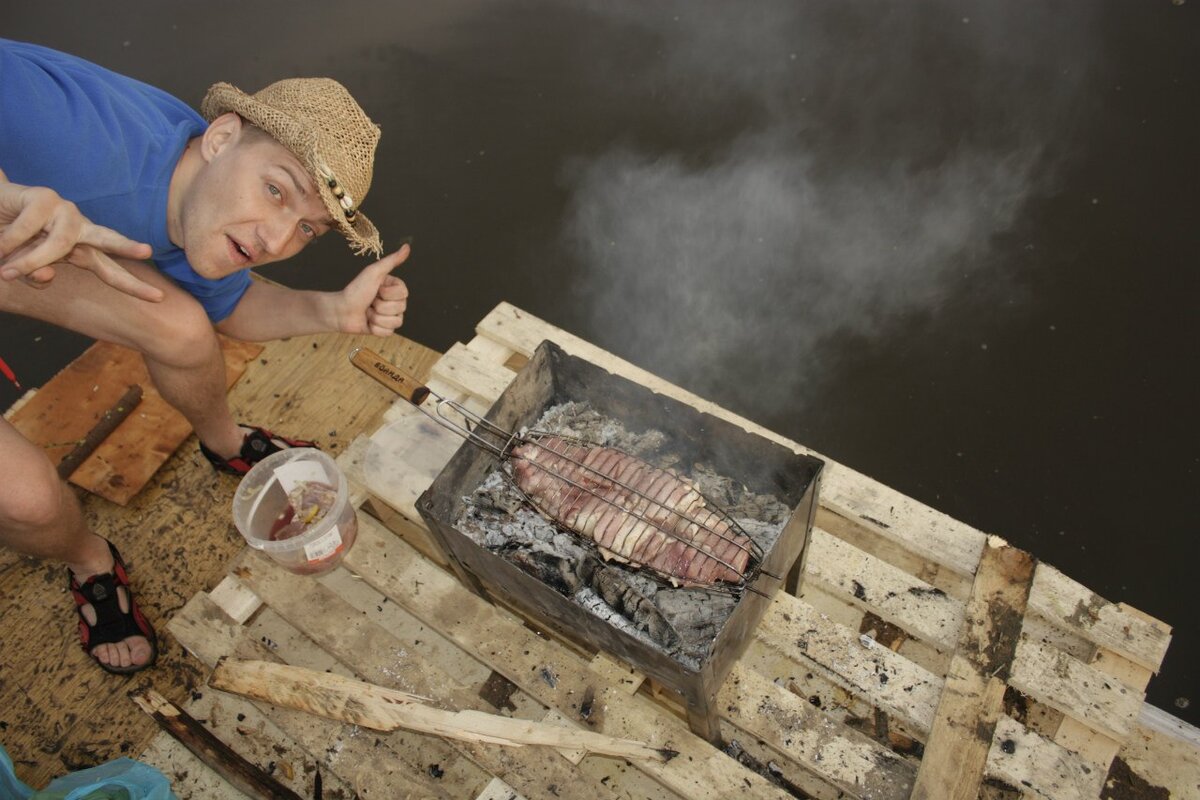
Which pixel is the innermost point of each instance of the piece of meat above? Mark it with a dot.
(633, 511)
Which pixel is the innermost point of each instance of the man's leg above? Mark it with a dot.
(192, 379)
(178, 342)
(40, 516)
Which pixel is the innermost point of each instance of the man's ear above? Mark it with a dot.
(222, 132)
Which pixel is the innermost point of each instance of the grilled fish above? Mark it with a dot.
(633, 511)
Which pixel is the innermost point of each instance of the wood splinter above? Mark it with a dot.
(383, 709)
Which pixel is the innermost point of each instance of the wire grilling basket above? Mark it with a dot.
(632, 511)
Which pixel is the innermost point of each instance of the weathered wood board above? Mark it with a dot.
(57, 711)
(62, 412)
(882, 564)
(837, 695)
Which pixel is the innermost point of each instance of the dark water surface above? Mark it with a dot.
(951, 245)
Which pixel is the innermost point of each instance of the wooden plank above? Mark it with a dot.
(61, 711)
(467, 671)
(499, 790)
(1067, 603)
(403, 457)
(438, 653)
(808, 680)
(254, 737)
(898, 597)
(746, 749)
(71, 402)
(930, 534)
(491, 351)
(191, 778)
(615, 673)
(382, 709)
(1162, 755)
(1077, 736)
(380, 658)
(352, 751)
(416, 535)
(552, 674)
(854, 764)
(866, 535)
(955, 758)
(470, 372)
(235, 599)
(1076, 689)
(371, 764)
(1133, 675)
(216, 754)
(1025, 759)
(856, 662)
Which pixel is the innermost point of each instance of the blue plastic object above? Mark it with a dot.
(119, 779)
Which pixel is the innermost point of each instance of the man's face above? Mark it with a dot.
(251, 202)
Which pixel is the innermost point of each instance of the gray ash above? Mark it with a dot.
(681, 622)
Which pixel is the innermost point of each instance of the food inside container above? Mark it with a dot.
(294, 506)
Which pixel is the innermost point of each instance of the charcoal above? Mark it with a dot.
(587, 599)
(618, 591)
(698, 615)
(557, 572)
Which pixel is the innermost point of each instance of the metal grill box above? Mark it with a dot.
(552, 377)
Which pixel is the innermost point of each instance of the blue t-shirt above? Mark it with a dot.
(107, 143)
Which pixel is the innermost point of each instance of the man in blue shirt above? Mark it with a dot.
(125, 216)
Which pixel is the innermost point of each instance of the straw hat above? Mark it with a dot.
(318, 120)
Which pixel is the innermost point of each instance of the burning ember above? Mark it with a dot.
(682, 622)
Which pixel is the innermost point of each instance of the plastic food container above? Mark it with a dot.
(294, 506)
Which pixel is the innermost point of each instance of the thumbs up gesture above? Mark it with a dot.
(375, 301)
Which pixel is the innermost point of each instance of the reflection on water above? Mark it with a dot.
(939, 243)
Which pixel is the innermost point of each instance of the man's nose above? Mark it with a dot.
(276, 234)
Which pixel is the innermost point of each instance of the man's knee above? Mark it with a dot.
(32, 498)
(175, 331)
(178, 333)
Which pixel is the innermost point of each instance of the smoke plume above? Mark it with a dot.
(875, 155)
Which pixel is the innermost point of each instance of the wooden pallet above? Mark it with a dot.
(922, 657)
(61, 413)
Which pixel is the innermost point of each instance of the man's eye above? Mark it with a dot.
(274, 190)
(308, 230)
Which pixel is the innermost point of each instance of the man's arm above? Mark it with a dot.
(38, 229)
(374, 302)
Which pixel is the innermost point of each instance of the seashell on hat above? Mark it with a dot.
(328, 132)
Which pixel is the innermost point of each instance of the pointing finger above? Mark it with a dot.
(109, 241)
(115, 275)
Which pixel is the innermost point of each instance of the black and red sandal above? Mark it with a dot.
(113, 625)
(258, 444)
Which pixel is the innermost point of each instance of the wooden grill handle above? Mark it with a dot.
(389, 375)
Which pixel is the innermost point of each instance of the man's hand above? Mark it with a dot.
(375, 301)
(38, 229)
